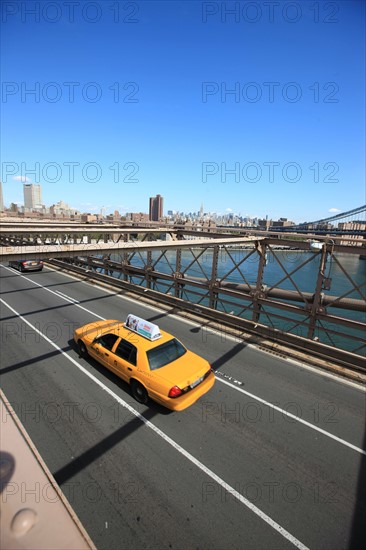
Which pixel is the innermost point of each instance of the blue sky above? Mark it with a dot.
(255, 108)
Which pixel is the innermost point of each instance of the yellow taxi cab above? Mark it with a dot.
(152, 361)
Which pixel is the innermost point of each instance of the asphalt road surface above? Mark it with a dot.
(272, 457)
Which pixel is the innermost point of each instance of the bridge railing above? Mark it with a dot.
(282, 305)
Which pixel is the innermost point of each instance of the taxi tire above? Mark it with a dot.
(83, 352)
(139, 392)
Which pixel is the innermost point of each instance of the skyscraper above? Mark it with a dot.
(32, 195)
(156, 208)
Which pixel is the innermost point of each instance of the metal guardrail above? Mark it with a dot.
(343, 362)
(305, 317)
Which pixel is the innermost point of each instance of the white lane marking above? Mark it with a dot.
(298, 363)
(171, 442)
(60, 295)
(253, 396)
(294, 417)
(69, 298)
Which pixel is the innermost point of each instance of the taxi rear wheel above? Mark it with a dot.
(83, 352)
(139, 392)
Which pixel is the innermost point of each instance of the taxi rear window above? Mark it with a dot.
(165, 353)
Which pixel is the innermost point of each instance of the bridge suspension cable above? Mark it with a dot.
(339, 216)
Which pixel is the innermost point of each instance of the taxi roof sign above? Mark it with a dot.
(142, 327)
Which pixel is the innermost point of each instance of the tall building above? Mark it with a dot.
(1, 198)
(156, 208)
(32, 195)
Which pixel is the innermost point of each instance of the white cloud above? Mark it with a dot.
(23, 179)
(229, 210)
(333, 210)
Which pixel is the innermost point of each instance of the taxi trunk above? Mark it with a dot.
(186, 372)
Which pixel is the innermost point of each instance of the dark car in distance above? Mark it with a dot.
(26, 265)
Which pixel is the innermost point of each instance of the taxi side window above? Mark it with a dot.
(107, 341)
(127, 351)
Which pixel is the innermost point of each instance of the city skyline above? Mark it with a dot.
(202, 105)
(64, 211)
(99, 209)
(33, 196)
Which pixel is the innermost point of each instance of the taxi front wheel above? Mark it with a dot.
(139, 392)
(83, 352)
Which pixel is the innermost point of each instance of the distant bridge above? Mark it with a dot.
(347, 216)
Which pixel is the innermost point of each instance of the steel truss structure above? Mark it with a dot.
(245, 280)
(237, 291)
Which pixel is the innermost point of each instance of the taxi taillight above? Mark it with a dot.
(175, 392)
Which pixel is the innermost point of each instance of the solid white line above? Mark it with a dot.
(171, 442)
(257, 398)
(294, 417)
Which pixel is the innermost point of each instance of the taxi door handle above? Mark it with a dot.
(129, 368)
(107, 354)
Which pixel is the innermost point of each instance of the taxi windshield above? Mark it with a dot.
(165, 353)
